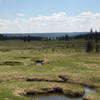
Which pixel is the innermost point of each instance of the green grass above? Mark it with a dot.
(62, 58)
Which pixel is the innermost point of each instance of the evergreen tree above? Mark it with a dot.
(89, 46)
(28, 38)
(97, 48)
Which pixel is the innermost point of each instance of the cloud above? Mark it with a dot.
(57, 22)
(20, 14)
(4, 22)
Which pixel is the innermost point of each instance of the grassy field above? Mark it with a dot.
(20, 75)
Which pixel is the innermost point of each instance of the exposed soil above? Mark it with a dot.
(41, 79)
(52, 90)
(11, 63)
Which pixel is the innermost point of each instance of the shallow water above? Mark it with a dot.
(89, 91)
(59, 96)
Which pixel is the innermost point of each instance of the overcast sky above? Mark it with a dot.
(36, 16)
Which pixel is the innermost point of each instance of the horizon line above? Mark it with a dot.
(39, 32)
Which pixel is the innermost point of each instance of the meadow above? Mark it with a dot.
(67, 68)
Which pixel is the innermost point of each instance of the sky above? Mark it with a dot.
(38, 16)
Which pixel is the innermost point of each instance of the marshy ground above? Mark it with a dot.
(66, 68)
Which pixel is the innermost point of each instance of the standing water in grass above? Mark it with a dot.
(60, 97)
(53, 97)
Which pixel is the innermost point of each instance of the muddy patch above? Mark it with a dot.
(42, 79)
(11, 63)
(39, 62)
(60, 78)
(53, 90)
(65, 78)
(51, 93)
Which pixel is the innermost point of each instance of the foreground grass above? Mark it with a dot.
(77, 67)
(14, 90)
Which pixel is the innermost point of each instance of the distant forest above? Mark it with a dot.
(87, 36)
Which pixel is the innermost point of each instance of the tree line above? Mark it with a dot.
(92, 38)
(29, 38)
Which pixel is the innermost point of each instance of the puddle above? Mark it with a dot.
(54, 97)
(39, 62)
(89, 91)
(60, 96)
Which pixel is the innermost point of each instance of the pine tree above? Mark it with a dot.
(89, 46)
(97, 48)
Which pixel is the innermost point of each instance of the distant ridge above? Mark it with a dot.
(43, 34)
